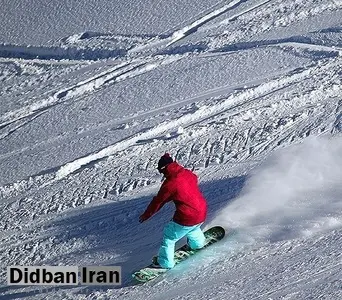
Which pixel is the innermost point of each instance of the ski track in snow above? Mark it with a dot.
(184, 121)
(70, 214)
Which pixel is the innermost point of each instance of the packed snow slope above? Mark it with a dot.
(247, 93)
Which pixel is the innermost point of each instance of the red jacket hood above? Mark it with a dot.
(172, 169)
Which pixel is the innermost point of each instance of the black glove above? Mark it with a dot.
(142, 218)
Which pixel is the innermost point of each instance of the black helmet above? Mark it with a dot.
(165, 160)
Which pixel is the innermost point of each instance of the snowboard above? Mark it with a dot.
(212, 235)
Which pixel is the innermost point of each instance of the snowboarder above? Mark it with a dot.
(181, 187)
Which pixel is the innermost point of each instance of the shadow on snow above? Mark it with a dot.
(113, 229)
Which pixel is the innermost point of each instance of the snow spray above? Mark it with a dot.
(295, 192)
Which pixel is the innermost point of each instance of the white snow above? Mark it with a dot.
(245, 93)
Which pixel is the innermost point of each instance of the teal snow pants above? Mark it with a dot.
(173, 232)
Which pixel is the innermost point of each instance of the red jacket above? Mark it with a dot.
(181, 187)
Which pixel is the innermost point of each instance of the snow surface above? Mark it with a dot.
(245, 93)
